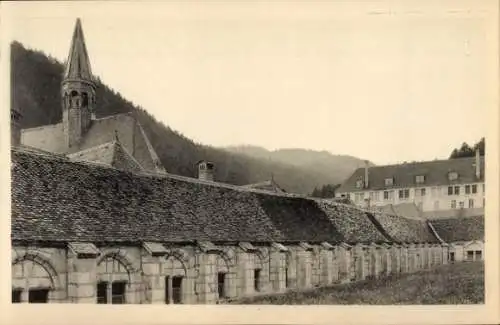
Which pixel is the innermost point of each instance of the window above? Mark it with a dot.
(419, 179)
(452, 257)
(470, 255)
(287, 281)
(474, 189)
(479, 255)
(38, 296)
(404, 194)
(461, 204)
(467, 189)
(452, 176)
(256, 280)
(388, 195)
(359, 184)
(118, 292)
(389, 181)
(471, 203)
(221, 281)
(102, 294)
(374, 196)
(436, 205)
(453, 204)
(420, 192)
(16, 295)
(450, 190)
(177, 289)
(359, 196)
(457, 190)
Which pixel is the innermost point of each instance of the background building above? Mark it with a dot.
(439, 187)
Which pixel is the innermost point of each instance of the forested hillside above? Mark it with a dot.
(36, 78)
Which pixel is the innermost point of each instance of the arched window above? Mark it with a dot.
(31, 282)
(175, 280)
(113, 279)
(85, 99)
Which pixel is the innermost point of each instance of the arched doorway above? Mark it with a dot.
(33, 280)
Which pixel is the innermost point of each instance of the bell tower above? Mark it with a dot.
(77, 90)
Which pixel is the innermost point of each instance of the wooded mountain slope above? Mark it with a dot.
(35, 90)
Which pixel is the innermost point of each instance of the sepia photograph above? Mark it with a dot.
(252, 154)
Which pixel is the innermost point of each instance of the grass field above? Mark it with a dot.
(461, 283)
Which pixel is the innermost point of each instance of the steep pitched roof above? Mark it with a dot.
(104, 130)
(78, 64)
(459, 229)
(408, 210)
(112, 154)
(453, 213)
(435, 172)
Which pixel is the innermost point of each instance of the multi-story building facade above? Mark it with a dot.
(439, 185)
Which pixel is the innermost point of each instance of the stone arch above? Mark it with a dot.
(225, 264)
(176, 260)
(38, 260)
(115, 265)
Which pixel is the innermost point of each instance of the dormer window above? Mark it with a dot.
(389, 181)
(359, 183)
(420, 179)
(452, 176)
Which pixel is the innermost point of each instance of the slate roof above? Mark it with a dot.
(112, 154)
(353, 223)
(460, 229)
(268, 185)
(58, 200)
(104, 130)
(405, 230)
(453, 213)
(436, 173)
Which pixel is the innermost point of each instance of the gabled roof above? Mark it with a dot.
(435, 172)
(268, 185)
(55, 199)
(78, 64)
(101, 131)
(112, 154)
(460, 229)
(405, 230)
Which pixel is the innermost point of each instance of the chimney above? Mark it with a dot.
(206, 170)
(15, 128)
(478, 164)
(367, 183)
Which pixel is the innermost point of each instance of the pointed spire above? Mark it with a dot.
(78, 64)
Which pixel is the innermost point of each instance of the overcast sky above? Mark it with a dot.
(386, 81)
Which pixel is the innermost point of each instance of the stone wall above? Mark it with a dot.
(204, 273)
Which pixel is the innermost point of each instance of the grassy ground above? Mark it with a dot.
(461, 283)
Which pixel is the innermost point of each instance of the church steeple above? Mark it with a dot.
(78, 65)
(77, 90)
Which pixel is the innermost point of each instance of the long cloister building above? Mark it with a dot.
(95, 218)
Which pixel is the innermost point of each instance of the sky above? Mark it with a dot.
(388, 81)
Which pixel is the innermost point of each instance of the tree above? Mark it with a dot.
(468, 151)
(326, 191)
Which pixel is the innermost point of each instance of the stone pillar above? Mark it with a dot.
(153, 259)
(304, 267)
(428, 251)
(206, 285)
(404, 258)
(444, 252)
(395, 251)
(385, 259)
(412, 256)
(359, 262)
(326, 256)
(82, 273)
(376, 260)
(277, 267)
(245, 271)
(343, 259)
